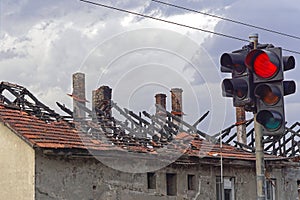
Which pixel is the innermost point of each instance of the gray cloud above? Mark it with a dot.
(44, 42)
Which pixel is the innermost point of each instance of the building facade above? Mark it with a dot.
(45, 156)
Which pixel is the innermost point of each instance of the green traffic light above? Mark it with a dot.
(271, 120)
(273, 124)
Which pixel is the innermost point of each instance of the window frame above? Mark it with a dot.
(191, 182)
(228, 184)
(151, 180)
(171, 184)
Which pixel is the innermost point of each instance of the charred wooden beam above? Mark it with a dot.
(200, 119)
(179, 120)
(244, 146)
(171, 125)
(159, 120)
(4, 99)
(287, 130)
(282, 144)
(133, 122)
(64, 108)
(227, 131)
(143, 121)
(292, 148)
(40, 104)
(125, 127)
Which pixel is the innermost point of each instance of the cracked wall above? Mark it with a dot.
(58, 177)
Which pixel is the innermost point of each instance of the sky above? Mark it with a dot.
(42, 43)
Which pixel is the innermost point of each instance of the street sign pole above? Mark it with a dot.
(259, 150)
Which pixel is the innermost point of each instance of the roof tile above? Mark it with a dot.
(60, 134)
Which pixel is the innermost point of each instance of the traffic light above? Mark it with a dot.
(267, 66)
(240, 85)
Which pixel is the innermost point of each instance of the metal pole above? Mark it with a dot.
(222, 178)
(259, 149)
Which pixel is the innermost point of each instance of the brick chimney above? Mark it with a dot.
(176, 97)
(101, 102)
(160, 101)
(78, 95)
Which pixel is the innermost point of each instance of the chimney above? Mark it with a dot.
(176, 97)
(160, 103)
(78, 96)
(101, 102)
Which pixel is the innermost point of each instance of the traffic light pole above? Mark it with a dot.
(259, 149)
(257, 84)
(260, 163)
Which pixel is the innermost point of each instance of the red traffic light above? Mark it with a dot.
(265, 64)
(263, 67)
(269, 94)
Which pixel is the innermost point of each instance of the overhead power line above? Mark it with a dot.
(163, 20)
(171, 22)
(228, 19)
(291, 51)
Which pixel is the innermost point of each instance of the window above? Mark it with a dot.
(191, 182)
(171, 184)
(270, 186)
(225, 189)
(151, 178)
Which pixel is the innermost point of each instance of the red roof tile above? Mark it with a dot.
(46, 134)
(61, 134)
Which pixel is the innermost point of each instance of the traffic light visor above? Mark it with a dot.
(264, 64)
(231, 62)
(288, 63)
(271, 120)
(227, 88)
(289, 87)
(234, 87)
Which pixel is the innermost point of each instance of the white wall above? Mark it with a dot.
(16, 166)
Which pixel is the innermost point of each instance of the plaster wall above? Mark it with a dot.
(17, 167)
(88, 179)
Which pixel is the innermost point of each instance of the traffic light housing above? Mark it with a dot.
(240, 85)
(267, 66)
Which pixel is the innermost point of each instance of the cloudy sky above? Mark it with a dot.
(42, 43)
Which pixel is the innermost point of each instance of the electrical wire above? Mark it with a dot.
(227, 19)
(174, 23)
(163, 20)
(291, 51)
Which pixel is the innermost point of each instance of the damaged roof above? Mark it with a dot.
(43, 128)
(40, 133)
(62, 135)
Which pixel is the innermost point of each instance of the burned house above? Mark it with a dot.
(89, 154)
